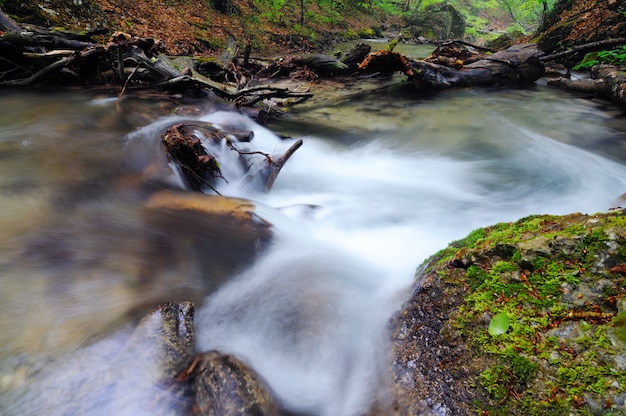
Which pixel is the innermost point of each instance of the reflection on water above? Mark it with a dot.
(382, 181)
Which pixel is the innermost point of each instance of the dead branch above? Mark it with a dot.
(587, 47)
(53, 68)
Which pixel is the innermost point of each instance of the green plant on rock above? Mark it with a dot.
(499, 324)
(615, 56)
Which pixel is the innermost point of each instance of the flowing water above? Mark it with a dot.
(382, 181)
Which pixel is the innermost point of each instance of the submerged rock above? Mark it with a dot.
(561, 282)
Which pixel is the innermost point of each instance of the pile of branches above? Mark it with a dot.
(34, 57)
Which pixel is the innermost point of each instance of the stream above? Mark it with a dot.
(383, 180)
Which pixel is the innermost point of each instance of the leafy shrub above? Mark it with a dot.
(615, 56)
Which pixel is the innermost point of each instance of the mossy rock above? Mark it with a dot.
(560, 280)
(438, 22)
(504, 41)
(370, 33)
(553, 39)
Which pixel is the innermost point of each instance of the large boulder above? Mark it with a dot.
(438, 21)
(556, 286)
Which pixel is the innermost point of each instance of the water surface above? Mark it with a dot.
(382, 181)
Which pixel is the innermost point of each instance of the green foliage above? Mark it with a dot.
(471, 238)
(615, 56)
(476, 13)
(273, 10)
(525, 15)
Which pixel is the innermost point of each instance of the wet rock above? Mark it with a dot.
(226, 386)
(160, 347)
(438, 22)
(560, 281)
(169, 331)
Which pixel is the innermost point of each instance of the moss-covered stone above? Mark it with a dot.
(438, 21)
(560, 280)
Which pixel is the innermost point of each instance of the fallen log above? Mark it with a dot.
(606, 81)
(34, 57)
(314, 66)
(355, 55)
(516, 65)
(46, 41)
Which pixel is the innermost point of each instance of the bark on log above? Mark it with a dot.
(356, 55)
(322, 64)
(198, 168)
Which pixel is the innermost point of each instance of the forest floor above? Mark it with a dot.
(195, 28)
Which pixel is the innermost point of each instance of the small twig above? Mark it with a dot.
(257, 152)
(127, 81)
(201, 179)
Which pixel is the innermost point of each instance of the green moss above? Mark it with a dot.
(619, 326)
(475, 276)
(366, 33)
(472, 238)
(523, 369)
(532, 295)
(495, 380)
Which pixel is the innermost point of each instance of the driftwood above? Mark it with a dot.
(516, 65)
(606, 81)
(200, 150)
(38, 56)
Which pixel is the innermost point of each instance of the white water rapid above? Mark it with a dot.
(354, 213)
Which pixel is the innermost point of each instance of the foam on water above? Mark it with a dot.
(310, 316)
